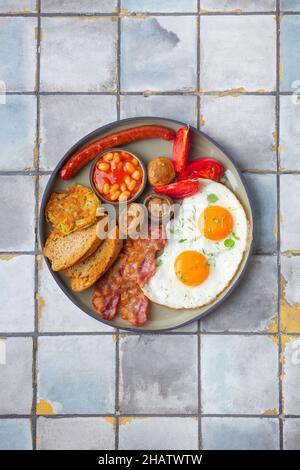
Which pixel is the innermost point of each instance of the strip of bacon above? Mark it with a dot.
(107, 290)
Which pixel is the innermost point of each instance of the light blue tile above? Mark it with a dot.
(251, 67)
(244, 126)
(263, 193)
(290, 53)
(239, 374)
(158, 53)
(79, 54)
(291, 375)
(159, 6)
(17, 312)
(158, 374)
(17, 132)
(75, 434)
(158, 434)
(17, 203)
(290, 218)
(289, 133)
(253, 305)
(181, 108)
(290, 5)
(15, 434)
(16, 375)
(291, 434)
(240, 433)
(17, 54)
(76, 374)
(66, 119)
(76, 6)
(18, 6)
(238, 5)
(57, 313)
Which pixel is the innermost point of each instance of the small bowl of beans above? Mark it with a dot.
(118, 176)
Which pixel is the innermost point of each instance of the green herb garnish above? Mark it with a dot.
(229, 243)
(235, 236)
(182, 240)
(159, 262)
(211, 198)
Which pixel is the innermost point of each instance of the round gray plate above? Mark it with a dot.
(162, 318)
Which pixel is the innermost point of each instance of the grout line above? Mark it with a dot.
(145, 93)
(280, 392)
(35, 339)
(32, 334)
(150, 415)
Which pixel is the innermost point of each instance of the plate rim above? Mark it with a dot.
(84, 140)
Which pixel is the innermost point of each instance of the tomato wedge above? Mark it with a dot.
(179, 190)
(181, 148)
(207, 168)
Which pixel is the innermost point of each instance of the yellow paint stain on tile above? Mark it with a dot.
(274, 146)
(202, 120)
(124, 11)
(43, 407)
(290, 313)
(110, 420)
(125, 420)
(274, 338)
(232, 92)
(273, 326)
(8, 257)
(270, 412)
(114, 338)
(40, 305)
(35, 155)
(260, 90)
(40, 264)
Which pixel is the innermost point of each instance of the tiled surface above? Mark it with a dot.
(253, 117)
(245, 384)
(153, 50)
(240, 433)
(71, 45)
(252, 67)
(158, 433)
(237, 6)
(67, 381)
(75, 433)
(156, 382)
(76, 384)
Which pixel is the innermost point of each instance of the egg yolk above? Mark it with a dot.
(191, 268)
(215, 223)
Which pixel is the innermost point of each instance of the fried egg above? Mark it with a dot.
(207, 240)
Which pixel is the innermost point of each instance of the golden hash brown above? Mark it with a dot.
(73, 209)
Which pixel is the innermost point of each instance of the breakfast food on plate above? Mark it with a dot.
(65, 250)
(86, 272)
(122, 285)
(184, 262)
(159, 207)
(179, 190)
(160, 171)
(202, 168)
(208, 238)
(83, 156)
(118, 176)
(72, 209)
(181, 148)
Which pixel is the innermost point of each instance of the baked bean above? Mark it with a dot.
(123, 187)
(129, 168)
(115, 187)
(124, 196)
(108, 157)
(106, 188)
(127, 179)
(117, 158)
(134, 161)
(131, 185)
(103, 166)
(114, 196)
(136, 175)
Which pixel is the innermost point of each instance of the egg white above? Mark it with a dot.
(164, 287)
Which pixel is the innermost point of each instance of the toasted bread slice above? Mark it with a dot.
(64, 251)
(85, 273)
